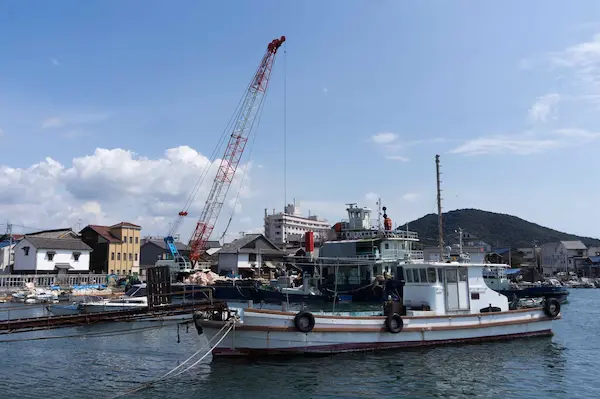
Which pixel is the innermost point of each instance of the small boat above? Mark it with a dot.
(441, 303)
(135, 298)
(496, 277)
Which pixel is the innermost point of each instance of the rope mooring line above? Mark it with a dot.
(163, 377)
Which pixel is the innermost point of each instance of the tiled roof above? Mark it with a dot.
(161, 244)
(57, 243)
(55, 233)
(573, 245)
(126, 224)
(104, 232)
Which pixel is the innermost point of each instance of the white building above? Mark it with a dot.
(51, 255)
(562, 256)
(6, 256)
(290, 226)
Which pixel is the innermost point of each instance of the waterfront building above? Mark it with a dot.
(116, 248)
(40, 255)
(290, 227)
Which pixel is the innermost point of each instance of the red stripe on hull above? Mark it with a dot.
(361, 347)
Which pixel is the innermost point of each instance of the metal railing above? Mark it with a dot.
(8, 281)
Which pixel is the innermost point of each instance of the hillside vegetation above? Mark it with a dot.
(497, 229)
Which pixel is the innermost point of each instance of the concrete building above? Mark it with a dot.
(562, 256)
(39, 255)
(116, 248)
(248, 253)
(289, 226)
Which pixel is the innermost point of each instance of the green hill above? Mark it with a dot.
(497, 229)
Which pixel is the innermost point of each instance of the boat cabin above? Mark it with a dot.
(449, 288)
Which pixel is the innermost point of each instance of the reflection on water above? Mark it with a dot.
(560, 367)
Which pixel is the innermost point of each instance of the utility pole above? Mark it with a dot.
(439, 205)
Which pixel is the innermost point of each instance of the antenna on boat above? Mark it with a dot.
(379, 215)
(439, 205)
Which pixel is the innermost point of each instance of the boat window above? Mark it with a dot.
(423, 273)
(409, 276)
(462, 273)
(431, 276)
(415, 275)
(387, 246)
(451, 276)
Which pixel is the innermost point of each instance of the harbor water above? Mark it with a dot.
(563, 366)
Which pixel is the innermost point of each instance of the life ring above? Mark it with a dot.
(552, 307)
(304, 321)
(394, 323)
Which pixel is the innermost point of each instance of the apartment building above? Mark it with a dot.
(116, 248)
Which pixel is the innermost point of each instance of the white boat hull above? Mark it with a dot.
(269, 332)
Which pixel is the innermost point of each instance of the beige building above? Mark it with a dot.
(116, 248)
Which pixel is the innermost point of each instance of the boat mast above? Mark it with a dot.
(439, 205)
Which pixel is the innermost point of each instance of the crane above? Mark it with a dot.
(243, 123)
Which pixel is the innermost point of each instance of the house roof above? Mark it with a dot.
(594, 259)
(126, 224)
(57, 243)
(573, 244)
(54, 233)
(104, 232)
(236, 245)
(161, 244)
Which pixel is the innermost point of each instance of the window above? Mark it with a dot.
(50, 255)
(112, 256)
(130, 256)
(26, 251)
(431, 275)
(119, 271)
(462, 273)
(423, 273)
(130, 239)
(112, 271)
(415, 275)
(137, 240)
(125, 239)
(136, 257)
(118, 256)
(409, 276)
(124, 256)
(387, 246)
(76, 256)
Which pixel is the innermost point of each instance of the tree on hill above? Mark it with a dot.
(497, 229)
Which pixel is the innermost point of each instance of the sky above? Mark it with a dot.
(111, 111)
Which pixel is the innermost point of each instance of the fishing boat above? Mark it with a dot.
(443, 303)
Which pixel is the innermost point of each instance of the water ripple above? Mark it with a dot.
(560, 367)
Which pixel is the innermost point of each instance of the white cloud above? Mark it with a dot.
(372, 197)
(52, 122)
(55, 62)
(325, 90)
(384, 138)
(410, 197)
(397, 158)
(111, 186)
(544, 107)
(526, 143)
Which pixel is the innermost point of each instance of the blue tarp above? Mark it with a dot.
(512, 271)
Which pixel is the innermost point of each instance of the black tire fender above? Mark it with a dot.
(304, 321)
(552, 307)
(394, 323)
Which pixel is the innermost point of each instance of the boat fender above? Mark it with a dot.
(394, 323)
(198, 323)
(552, 307)
(304, 321)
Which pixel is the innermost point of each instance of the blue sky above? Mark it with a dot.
(506, 92)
